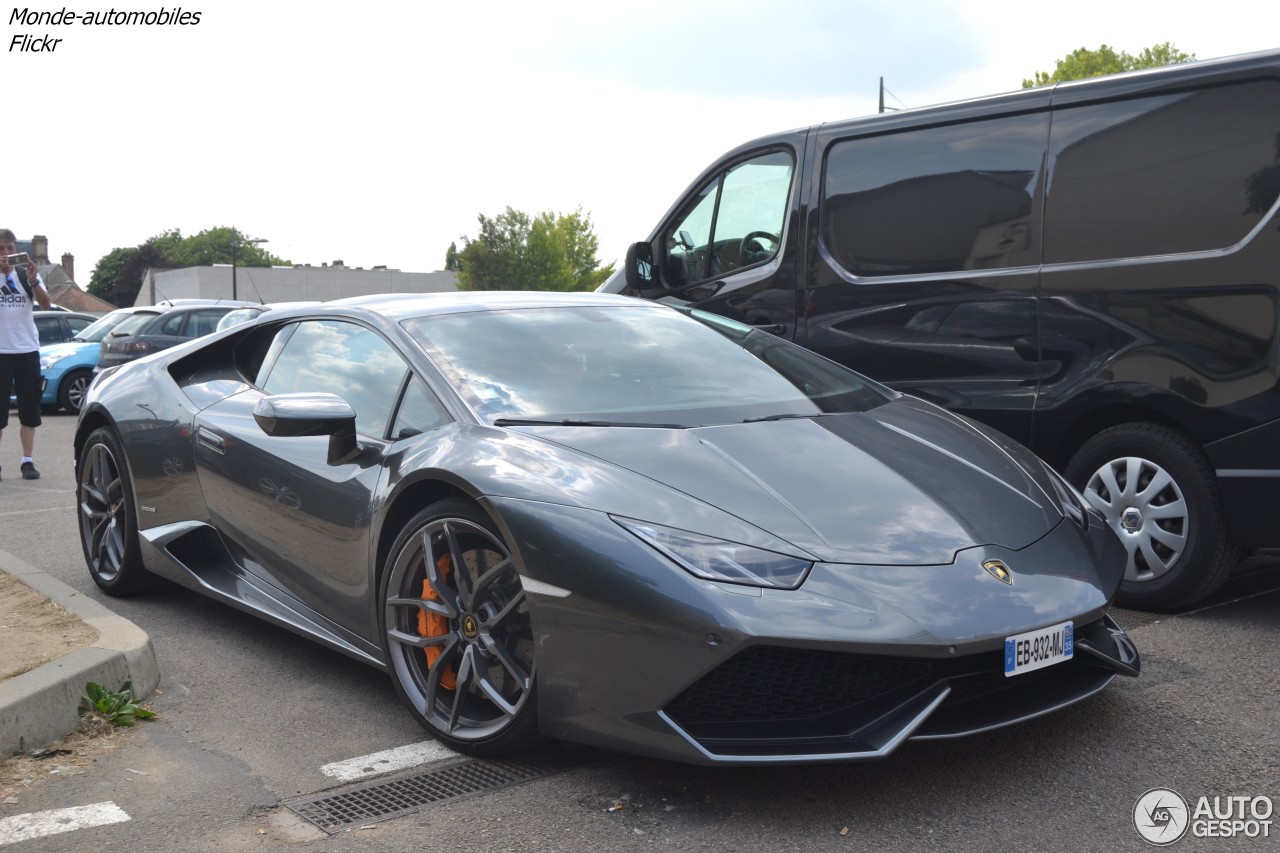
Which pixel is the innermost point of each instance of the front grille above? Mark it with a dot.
(769, 699)
(767, 683)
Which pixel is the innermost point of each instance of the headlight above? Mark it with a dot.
(47, 361)
(1073, 503)
(717, 560)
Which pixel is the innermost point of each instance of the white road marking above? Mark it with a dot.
(24, 827)
(388, 761)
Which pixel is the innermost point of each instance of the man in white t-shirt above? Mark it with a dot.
(20, 346)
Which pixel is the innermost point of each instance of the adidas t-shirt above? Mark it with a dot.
(17, 328)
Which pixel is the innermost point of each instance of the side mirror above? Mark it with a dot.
(310, 414)
(639, 267)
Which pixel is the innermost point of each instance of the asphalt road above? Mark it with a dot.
(250, 714)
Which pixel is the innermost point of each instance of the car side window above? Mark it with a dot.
(201, 323)
(734, 221)
(419, 411)
(78, 325)
(48, 330)
(172, 324)
(340, 358)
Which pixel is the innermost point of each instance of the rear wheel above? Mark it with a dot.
(71, 393)
(108, 522)
(457, 632)
(1157, 491)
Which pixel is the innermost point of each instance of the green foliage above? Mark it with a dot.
(451, 258)
(119, 707)
(117, 277)
(107, 272)
(515, 251)
(1084, 63)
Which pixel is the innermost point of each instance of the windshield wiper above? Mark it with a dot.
(505, 422)
(790, 416)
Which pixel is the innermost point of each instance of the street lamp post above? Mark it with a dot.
(235, 246)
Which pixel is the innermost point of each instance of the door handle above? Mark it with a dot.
(211, 440)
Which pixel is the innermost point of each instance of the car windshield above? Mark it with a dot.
(639, 365)
(103, 326)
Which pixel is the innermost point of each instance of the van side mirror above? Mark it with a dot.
(639, 267)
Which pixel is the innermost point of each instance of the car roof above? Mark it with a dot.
(401, 306)
(68, 314)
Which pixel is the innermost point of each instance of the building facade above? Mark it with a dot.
(287, 284)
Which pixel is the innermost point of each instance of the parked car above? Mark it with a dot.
(603, 520)
(67, 368)
(1091, 268)
(57, 326)
(135, 339)
(244, 315)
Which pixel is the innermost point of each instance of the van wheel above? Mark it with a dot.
(1156, 490)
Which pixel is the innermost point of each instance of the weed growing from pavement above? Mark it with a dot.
(100, 705)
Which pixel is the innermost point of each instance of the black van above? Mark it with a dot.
(1091, 268)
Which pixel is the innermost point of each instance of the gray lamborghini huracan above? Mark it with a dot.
(598, 519)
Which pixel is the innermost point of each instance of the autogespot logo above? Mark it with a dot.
(1161, 816)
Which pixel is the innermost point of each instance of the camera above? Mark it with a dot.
(17, 260)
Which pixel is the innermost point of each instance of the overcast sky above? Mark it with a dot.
(375, 131)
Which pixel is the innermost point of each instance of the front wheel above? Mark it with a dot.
(1157, 491)
(108, 523)
(74, 386)
(457, 632)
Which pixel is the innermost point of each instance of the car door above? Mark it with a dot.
(182, 326)
(301, 524)
(51, 329)
(732, 246)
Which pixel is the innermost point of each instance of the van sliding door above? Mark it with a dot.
(927, 267)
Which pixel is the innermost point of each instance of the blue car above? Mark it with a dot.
(67, 368)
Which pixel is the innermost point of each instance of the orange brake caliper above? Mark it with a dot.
(435, 625)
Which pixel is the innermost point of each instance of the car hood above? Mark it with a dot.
(68, 347)
(902, 484)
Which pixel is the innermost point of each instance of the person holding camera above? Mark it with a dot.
(20, 285)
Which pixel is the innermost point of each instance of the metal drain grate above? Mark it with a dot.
(1130, 619)
(375, 801)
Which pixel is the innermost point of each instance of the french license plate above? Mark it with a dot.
(1038, 649)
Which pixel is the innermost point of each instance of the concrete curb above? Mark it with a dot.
(39, 706)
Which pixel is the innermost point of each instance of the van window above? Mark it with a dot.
(939, 199)
(735, 220)
(1179, 172)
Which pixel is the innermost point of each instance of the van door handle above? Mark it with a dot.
(772, 328)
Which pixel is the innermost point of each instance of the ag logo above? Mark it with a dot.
(999, 571)
(1161, 816)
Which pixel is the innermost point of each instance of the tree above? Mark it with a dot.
(514, 251)
(451, 258)
(1083, 63)
(107, 272)
(117, 277)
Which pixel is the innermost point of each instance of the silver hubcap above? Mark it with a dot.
(1145, 507)
(75, 392)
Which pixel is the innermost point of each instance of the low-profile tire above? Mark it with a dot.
(71, 392)
(108, 520)
(482, 630)
(1157, 491)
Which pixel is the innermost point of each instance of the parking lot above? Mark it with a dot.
(253, 718)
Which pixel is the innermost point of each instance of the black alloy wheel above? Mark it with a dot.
(108, 522)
